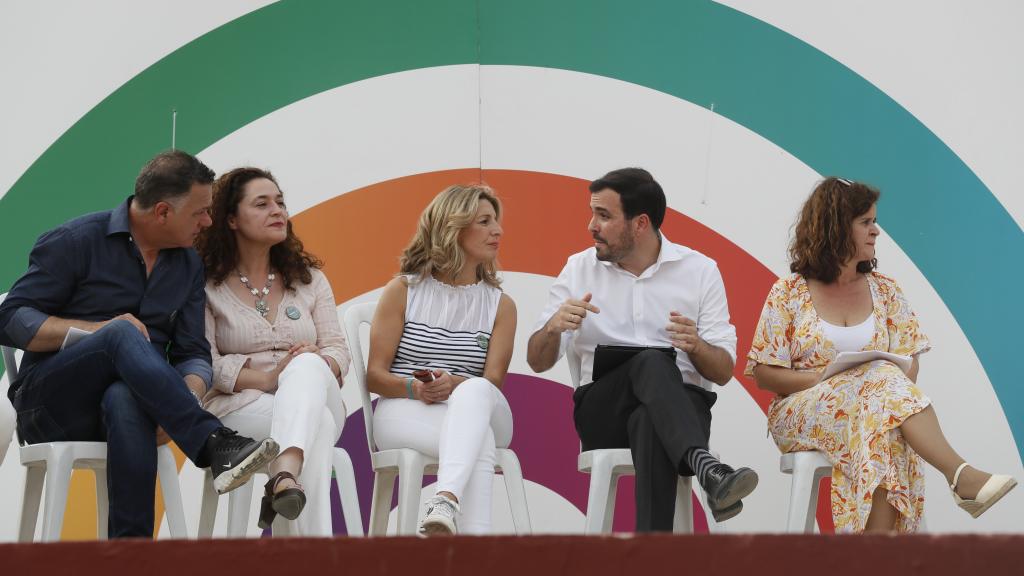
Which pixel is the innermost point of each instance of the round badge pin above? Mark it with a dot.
(292, 312)
(483, 340)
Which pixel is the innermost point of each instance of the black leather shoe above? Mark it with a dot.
(234, 459)
(730, 512)
(725, 486)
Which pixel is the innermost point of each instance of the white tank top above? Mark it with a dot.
(850, 338)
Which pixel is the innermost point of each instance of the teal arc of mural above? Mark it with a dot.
(756, 75)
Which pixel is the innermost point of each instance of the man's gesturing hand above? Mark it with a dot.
(571, 313)
(683, 332)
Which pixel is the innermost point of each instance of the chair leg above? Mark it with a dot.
(713, 526)
(410, 485)
(380, 507)
(170, 486)
(819, 474)
(208, 508)
(803, 493)
(682, 522)
(609, 506)
(601, 498)
(58, 479)
(281, 527)
(345, 479)
(102, 505)
(34, 476)
(239, 501)
(516, 489)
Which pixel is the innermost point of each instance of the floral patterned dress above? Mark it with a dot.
(854, 416)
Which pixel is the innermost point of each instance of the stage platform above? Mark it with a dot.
(699, 555)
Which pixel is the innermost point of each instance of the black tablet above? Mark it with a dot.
(608, 357)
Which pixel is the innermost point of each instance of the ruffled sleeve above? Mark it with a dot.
(772, 342)
(904, 331)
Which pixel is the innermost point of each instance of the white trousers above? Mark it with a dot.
(462, 433)
(307, 413)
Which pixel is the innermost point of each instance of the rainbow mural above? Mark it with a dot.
(364, 110)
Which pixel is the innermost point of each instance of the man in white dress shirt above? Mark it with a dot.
(635, 287)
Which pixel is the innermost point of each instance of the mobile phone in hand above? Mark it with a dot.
(423, 375)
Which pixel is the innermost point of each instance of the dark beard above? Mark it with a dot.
(617, 253)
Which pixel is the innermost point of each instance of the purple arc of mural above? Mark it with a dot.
(544, 439)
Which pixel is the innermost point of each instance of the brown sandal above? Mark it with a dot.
(288, 502)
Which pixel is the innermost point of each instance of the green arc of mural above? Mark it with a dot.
(756, 75)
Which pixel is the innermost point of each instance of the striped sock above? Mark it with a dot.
(700, 461)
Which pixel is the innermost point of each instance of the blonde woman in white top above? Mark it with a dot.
(440, 346)
(277, 346)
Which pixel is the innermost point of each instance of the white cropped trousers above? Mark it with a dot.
(306, 412)
(462, 433)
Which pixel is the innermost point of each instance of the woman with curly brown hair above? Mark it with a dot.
(872, 421)
(278, 350)
(440, 345)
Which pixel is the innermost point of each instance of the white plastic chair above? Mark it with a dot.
(408, 465)
(807, 468)
(607, 465)
(240, 498)
(50, 464)
(8, 424)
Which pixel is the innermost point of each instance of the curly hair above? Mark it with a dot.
(435, 246)
(823, 239)
(219, 249)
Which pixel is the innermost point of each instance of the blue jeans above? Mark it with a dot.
(114, 386)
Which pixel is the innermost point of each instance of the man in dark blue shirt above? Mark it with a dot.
(129, 277)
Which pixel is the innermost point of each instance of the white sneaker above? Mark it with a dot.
(440, 518)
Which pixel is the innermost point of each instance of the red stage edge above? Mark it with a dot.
(702, 555)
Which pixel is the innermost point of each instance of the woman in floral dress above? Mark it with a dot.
(872, 421)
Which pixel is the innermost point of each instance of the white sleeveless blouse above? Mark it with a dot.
(446, 327)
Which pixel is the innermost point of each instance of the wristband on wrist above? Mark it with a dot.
(408, 388)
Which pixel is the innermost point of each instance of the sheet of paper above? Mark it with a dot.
(73, 336)
(846, 360)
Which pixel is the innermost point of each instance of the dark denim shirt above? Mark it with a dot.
(89, 268)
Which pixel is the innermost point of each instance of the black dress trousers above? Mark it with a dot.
(645, 406)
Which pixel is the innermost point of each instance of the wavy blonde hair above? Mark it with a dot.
(435, 246)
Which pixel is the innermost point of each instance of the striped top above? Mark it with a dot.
(446, 327)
